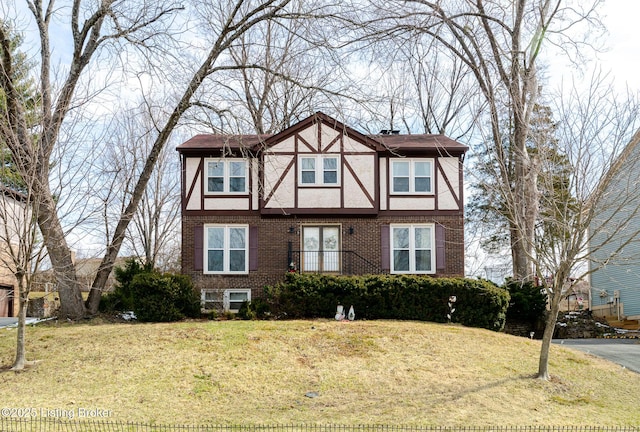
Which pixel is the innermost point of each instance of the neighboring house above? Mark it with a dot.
(318, 197)
(614, 247)
(87, 269)
(11, 213)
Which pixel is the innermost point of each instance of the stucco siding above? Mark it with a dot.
(412, 203)
(222, 203)
(318, 198)
(310, 135)
(287, 145)
(274, 168)
(327, 135)
(448, 184)
(364, 167)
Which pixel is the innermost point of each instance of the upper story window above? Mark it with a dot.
(412, 176)
(226, 176)
(412, 249)
(319, 170)
(226, 249)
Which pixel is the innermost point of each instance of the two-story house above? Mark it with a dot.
(318, 197)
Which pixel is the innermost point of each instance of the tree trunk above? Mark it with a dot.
(550, 325)
(23, 299)
(71, 303)
(519, 256)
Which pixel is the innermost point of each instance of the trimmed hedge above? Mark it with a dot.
(479, 303)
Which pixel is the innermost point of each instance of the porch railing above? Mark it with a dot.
(345, 262)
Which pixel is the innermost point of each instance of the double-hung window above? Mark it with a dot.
(412, 249)
(319, 170)
(226, 176)
(227, 250)
(412, 176)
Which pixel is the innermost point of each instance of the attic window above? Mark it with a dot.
(319, 170)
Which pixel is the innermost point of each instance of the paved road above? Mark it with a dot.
(625, 352)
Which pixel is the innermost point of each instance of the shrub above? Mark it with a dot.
(528, 302)
(479, 303)
(164, 297)
(255, 309)
(151, 295)
(121, 299)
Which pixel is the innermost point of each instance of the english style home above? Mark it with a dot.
(317, 197)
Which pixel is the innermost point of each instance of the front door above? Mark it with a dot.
(321, 249)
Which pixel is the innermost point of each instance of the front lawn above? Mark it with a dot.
(320, 372)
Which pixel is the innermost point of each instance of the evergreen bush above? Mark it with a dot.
(152, 296)
(121, 298)
(528, 302)
(410, 297)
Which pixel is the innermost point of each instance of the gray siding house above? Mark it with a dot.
(614, 246)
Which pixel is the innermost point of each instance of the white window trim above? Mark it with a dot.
(319, 169)
(412, 263)
(412, 176)
(205, 255)
(204, 301)
(222, 299)
(226, 302)
(226, 176)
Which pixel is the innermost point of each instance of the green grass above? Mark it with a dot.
(258, 372)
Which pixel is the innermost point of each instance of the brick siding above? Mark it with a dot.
(274, 236)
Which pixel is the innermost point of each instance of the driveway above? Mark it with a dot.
(625, 352)
(12, 322)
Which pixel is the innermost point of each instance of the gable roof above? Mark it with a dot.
(220, 143)
(329, 121)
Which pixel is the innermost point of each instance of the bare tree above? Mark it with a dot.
(588, 200)
(500, 43)
(22, 253)
(289, 82)
(154, 232)
(422, 88)
(90, 27)
(133, 25)
(21, 247)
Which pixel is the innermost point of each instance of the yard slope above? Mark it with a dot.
(321, 372)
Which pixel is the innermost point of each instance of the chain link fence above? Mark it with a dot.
(44, 424)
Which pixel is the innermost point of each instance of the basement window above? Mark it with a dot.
(230, 301)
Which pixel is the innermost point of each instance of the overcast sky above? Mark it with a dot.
(622, 58)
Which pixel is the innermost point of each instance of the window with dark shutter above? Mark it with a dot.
(198, 242)
(253, 248)
(440, 250)
(385, 260)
